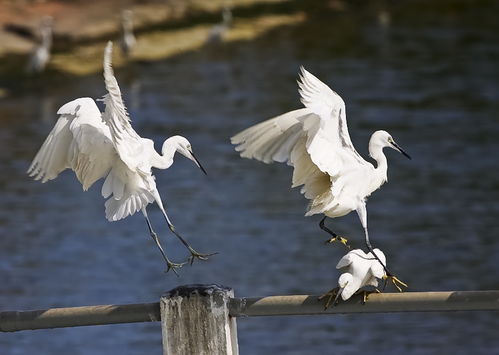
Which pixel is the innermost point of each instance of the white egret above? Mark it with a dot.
(315, 141)
(128, 40)
(218, 31)
(40, 55)
(360, 269)
(96, 146)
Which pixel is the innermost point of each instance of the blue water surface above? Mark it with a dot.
(433, 85)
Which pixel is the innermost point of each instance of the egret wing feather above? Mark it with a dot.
(317, 96)
(330, 145)
(130, 192)
(306, 173)
(314, 140)
(259, 141)
(79, 141)
(126, 141)
(97, 145)
(284, 139)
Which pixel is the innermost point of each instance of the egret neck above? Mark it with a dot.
(165, 160)
(376, 152)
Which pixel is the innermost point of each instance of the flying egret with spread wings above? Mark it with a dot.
(315, 141)
(99, 145)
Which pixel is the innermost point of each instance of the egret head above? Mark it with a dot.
(183, 146)
(384, 139)
(347, 288)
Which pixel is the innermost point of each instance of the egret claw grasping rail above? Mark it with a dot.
(315, 141)
(96, 146)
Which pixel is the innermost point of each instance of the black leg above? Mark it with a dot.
(194, 254)
(154, 236)
(334, 237)
(326, 229)
(396, 282)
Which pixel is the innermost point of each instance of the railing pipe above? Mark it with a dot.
(12, 321)
(259, 306)
(376, 303)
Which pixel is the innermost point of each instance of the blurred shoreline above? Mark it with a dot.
(170, 27)
(80, 22)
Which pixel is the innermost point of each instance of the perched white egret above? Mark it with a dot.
(128, 40)
(96, 146)
(360, 269)
(315, 141)
(217, 32)
(40, 55)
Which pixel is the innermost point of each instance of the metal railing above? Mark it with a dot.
(185, 311)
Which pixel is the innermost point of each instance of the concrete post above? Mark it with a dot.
(195, 320)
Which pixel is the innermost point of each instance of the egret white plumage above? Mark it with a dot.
(40, 55)
(315, 141)
(128, 40)
(360, 270)
(99, 145)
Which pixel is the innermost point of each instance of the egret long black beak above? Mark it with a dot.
(397, 147)
(198, 163)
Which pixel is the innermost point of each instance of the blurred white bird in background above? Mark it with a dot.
(128, 41)
(315, 141)
(40, 55)
(96, 146)
(218, 31)
(360, 269)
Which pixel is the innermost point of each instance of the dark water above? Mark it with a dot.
(434, 85)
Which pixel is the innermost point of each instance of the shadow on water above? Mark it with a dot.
(431, 82)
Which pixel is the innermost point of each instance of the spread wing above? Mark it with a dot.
(130, 194)
(283, 139)
(314, 140)
(97, 146)
(79, 141)
(125, 140)
(329, 143)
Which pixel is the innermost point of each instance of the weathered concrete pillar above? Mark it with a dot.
(195, 320)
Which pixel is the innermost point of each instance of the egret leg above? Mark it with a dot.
(169, 264)
(362, 212)
(194, 253)
(366, 294)
(331, 294)
(334, 237)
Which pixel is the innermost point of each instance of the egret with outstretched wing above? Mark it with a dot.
(97, 146)
(315, 141)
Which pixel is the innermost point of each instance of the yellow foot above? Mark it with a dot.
(330, 297)
(395, 281)
(339, 240)
(365, 294)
